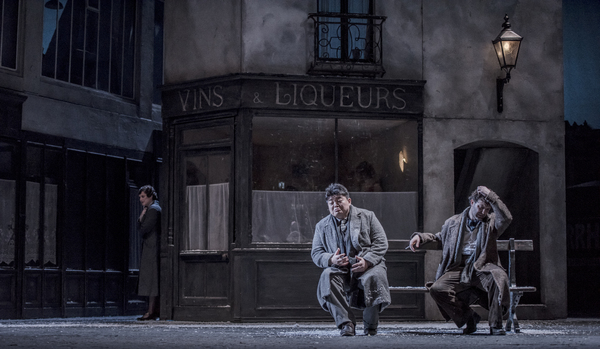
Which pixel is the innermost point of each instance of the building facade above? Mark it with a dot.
(266, 102)
(79, 134)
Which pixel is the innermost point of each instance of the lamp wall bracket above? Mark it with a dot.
(500, 91)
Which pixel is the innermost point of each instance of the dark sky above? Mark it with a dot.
(581, 40)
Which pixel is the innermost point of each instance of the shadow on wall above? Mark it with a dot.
(512, 172)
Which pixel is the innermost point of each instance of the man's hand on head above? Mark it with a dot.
(483, 190)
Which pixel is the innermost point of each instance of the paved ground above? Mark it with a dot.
(126, 332)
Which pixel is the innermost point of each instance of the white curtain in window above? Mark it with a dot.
(7, 222)
(291, 216)
(32, 222)
(50, 213)
(286, 216)
(208, 224)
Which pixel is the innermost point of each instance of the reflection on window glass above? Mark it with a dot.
(294, 160)
(90, 43)
(32, 224)
(159, 7)
(50, 213)
(207, 201)
(344, 38)
(9, 20)
(292, 154)
(378, 155)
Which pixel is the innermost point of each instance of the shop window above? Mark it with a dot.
(41, 205)
(159, 6)
(9, 21)
(347, 38)
(295, 159)
(7, 204)
(90, 43)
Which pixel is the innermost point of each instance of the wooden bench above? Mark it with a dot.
(516, 292)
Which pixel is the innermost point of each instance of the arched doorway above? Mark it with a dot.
(512, 171)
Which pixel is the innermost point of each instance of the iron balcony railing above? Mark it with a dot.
(347, 44)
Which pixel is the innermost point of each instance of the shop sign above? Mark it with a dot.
(384, 97)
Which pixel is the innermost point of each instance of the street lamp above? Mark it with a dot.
(507, 45)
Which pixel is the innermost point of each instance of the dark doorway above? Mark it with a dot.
(511, 171)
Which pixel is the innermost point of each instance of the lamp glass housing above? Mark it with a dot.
(507, 46)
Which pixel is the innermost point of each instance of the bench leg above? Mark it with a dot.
(512, 321)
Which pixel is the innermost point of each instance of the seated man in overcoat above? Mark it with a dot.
(470, 269)
(349, 244)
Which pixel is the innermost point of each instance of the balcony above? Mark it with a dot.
(347, 45)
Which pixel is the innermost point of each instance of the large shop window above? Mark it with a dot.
(9, 24)
(295, 159)
(91, 43)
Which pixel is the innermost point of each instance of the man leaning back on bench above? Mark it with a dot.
(469, 272)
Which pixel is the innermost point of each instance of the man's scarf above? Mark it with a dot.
(465, 276)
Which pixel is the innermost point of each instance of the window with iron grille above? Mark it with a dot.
(347, 38)
(9, 20)
(91, 43)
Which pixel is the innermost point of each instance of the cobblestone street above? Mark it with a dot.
(126, 332)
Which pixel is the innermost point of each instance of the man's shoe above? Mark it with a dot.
(370, 331)
(348, 329)
(148, 317)
(497, 331)
(472, 323)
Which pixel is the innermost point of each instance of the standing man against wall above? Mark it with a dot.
(349, 244)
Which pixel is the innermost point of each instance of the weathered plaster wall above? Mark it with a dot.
(220, 37)
(202, 39)
(276, 36)
(460, 64)
(460, 68)
(402, 39)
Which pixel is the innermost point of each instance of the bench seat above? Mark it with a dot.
(516, 292)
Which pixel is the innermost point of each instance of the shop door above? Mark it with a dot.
(202, 268)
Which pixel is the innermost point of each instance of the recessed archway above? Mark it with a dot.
(512, 171)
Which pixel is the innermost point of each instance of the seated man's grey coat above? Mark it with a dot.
(488, 260)
(368, 237)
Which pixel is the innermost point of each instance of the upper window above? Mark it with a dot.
(347, 38)
(9, 19)
(91, 43)
(159, 7)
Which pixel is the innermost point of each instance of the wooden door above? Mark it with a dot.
(202, 269)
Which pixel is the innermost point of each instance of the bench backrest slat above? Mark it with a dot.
(520, 245)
